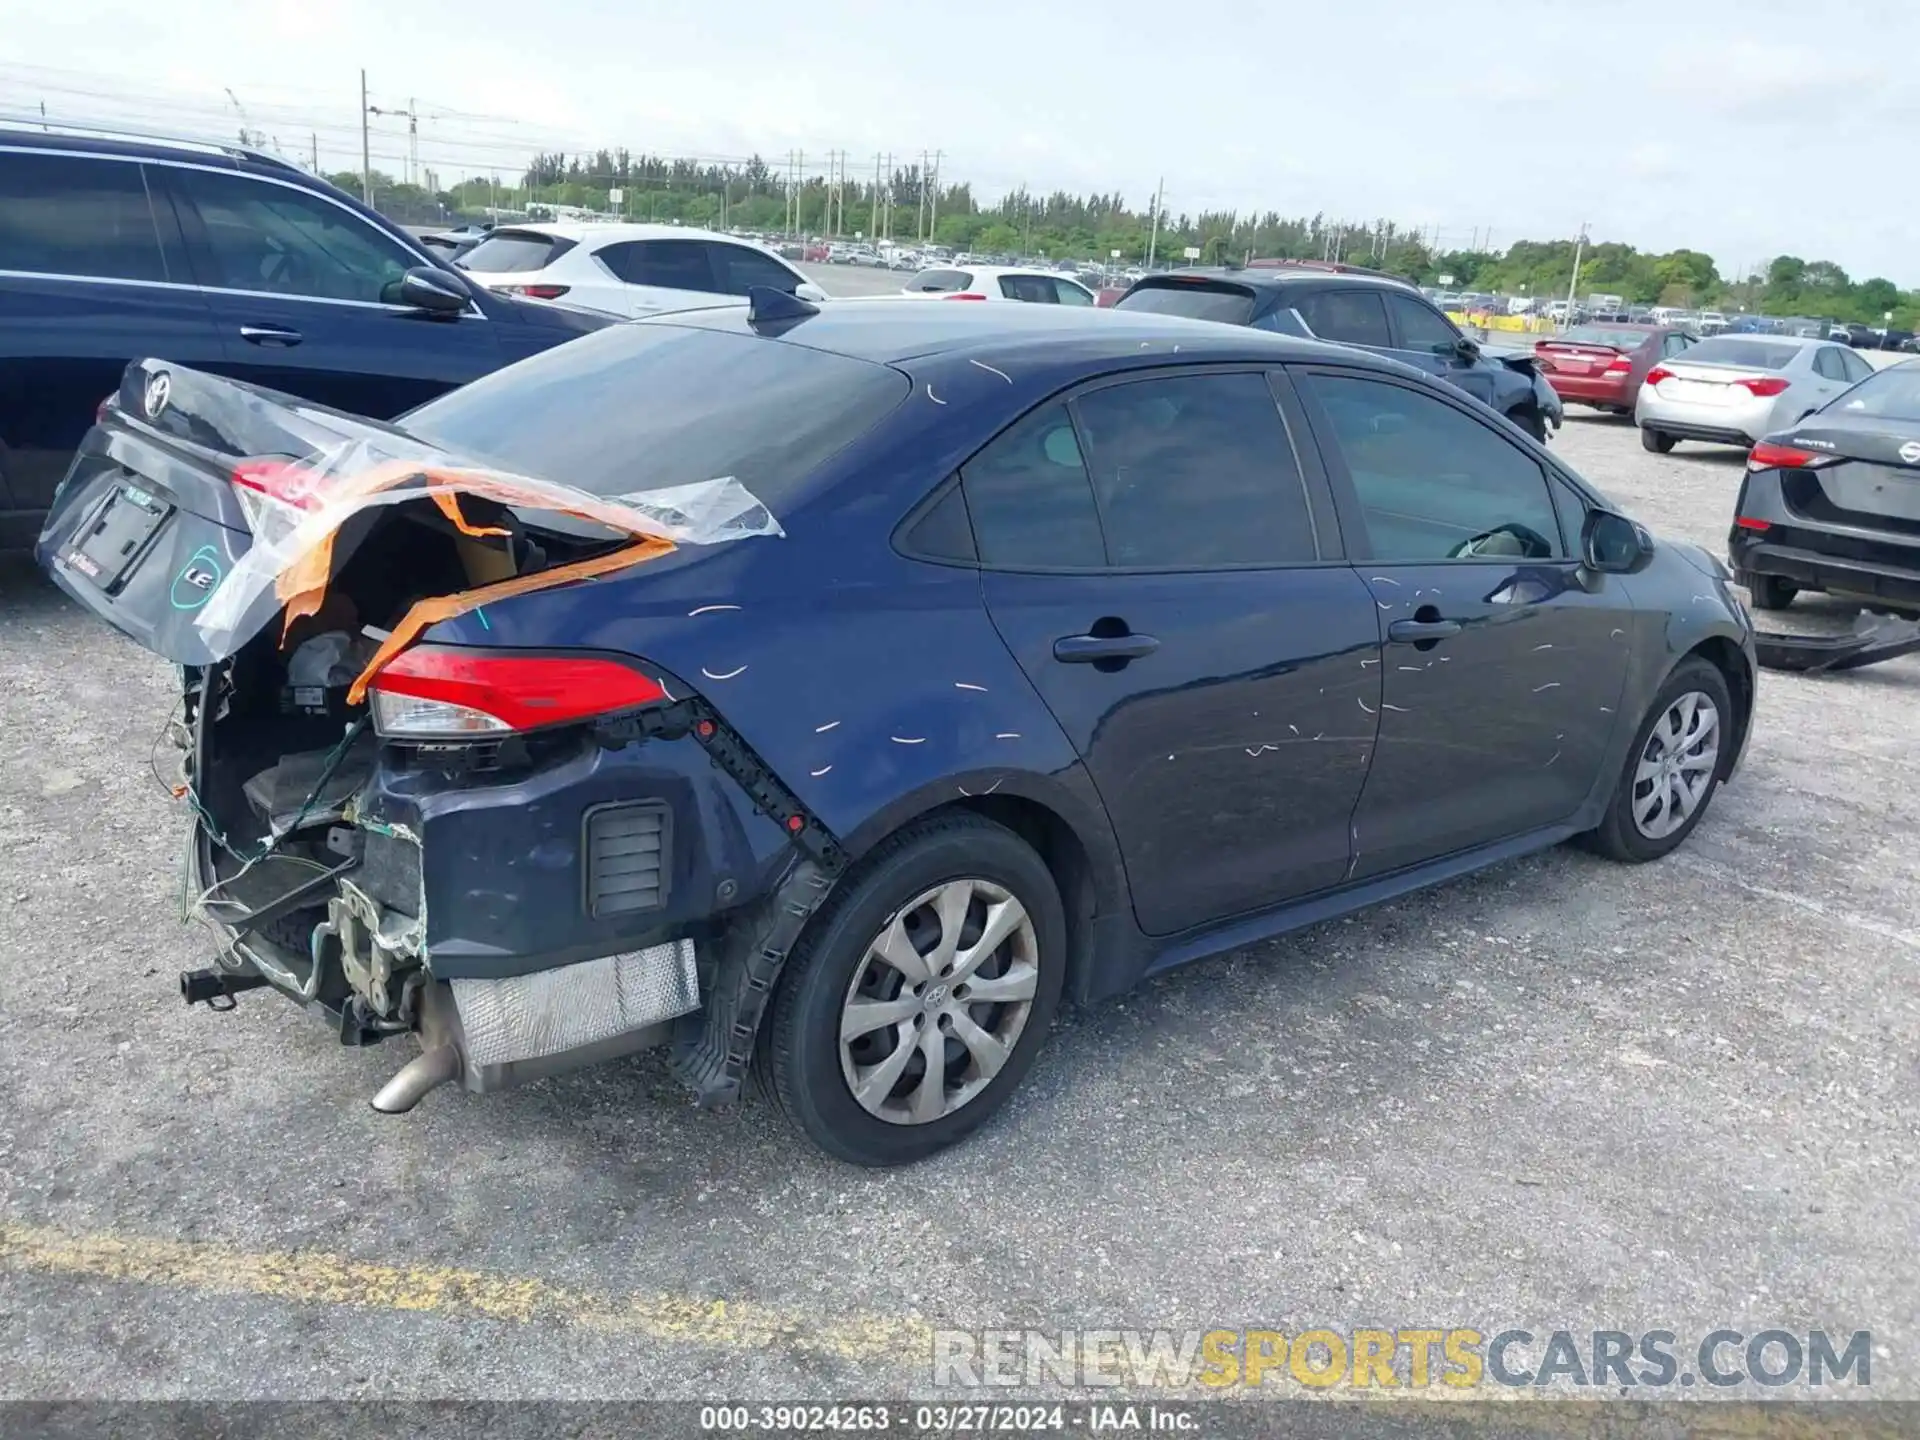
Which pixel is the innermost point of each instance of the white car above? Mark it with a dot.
(1734, 389)
(629, 270)
(998, 282)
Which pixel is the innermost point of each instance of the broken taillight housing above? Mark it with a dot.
(444, 693)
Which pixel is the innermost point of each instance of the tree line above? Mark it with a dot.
(909, 204)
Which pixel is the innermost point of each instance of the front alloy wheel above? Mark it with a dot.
(1677, 766)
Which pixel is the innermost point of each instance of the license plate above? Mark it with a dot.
(1694, 390)
(108, 547)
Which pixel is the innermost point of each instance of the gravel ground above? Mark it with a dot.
(1561, 1094)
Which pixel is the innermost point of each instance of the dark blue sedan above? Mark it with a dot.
(1093, 644)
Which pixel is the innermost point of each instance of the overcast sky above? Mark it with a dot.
(1745, 129)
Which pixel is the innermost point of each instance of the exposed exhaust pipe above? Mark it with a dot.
(428, 1070)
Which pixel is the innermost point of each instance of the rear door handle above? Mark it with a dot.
(1085, 649)
(1412, 632)
(269, 335)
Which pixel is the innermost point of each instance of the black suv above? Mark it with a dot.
(116, 247)
(1366, 308)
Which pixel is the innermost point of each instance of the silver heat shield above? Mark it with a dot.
(524, 1017)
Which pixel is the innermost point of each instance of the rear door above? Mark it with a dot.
(1504, 662)
(665, 275)
(304, 294)
(1162, 560)
(91, 277)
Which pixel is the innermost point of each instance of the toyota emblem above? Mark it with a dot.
(159, 387)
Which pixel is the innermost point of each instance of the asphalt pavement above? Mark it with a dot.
(1561, 1094)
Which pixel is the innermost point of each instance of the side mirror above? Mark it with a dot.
(1467, 349)
(434, 291)
(1614, 545)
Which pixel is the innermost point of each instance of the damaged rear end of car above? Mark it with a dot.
(533, 851)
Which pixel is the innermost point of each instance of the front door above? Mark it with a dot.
(1152, 556)
(1505, 658)
(303, 295)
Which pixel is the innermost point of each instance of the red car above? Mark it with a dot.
(1603, 365)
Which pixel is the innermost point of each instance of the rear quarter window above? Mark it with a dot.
(643, 406)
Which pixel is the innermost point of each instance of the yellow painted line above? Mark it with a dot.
(311, 1277)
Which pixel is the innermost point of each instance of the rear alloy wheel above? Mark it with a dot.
(916, 1000)
(1770, 592)
(1657, 441)
(1673, 768)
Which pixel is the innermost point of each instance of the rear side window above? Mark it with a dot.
(668, 264)
(738, 269)
(1031, 500)
(510, 252)
(940, 282)
(1193, 472)
(1435, 483)
(1422, 328)
(1034, 289)
(67, 216)
(1197, 300)
(1351, 317)
(640, 406)
(280, 240)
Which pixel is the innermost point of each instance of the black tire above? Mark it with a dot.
(799, 1053)
(1616, 836)
(1769, 592)
(1532, 421)
(1658, 441)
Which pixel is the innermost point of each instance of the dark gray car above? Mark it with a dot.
(1364, 308)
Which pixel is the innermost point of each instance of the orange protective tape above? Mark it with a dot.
(445, 607)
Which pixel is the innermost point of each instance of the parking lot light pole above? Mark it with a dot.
(1573, 285)
(366, 158)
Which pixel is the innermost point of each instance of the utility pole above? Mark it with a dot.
(933, 200)
(366, 155)
(314, 137)
(1153, 235)
(920, 211)
(886, 210)
(873, 220)
(1574, 284)
(413, 135)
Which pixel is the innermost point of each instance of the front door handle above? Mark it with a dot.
(1087, 649)
(269, 335)
(1412, 632)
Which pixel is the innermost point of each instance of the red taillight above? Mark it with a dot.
(1657, 374)
(1620, 365)
(1764, 386)
(536, 292)
(1765, 456)
(281, 480)
(435, 692)
(963, 295)
(1747, 522)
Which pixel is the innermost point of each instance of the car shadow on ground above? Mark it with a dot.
(25, 588)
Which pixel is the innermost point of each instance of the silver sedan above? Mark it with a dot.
(1732, 389)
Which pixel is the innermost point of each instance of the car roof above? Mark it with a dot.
(1285, 277)
(611, 231)
(879, 329)
(994, 272)
(137, 144)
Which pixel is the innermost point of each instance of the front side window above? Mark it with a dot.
(1195, 472)
(1068, 293)
(1433, 482)
(1421, 328)
(1826, 363)
(285, 241)
(738, 269)
(1350, 317)
(1856, 368)
(63, 215)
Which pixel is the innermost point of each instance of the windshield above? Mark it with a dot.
(1196, 299)
(1891, 394)
(1600, 335)
(515, 252)
(641, 406)
(1744, 351)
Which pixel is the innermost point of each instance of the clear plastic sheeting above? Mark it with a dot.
(297, 507)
